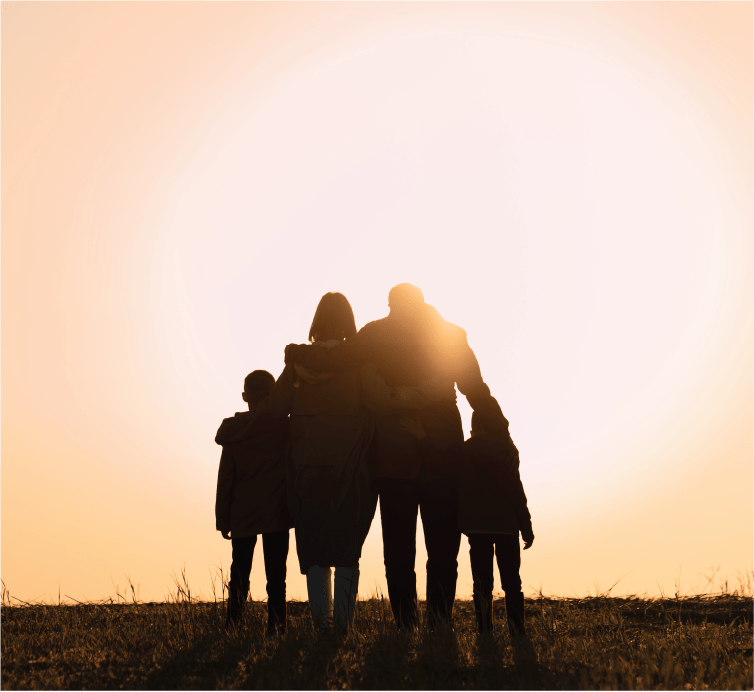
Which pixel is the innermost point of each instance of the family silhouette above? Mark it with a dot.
(358, 417)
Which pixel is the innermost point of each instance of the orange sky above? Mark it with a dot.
(571, 183)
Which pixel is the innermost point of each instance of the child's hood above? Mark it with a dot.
(489, 450)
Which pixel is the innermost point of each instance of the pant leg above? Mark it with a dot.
(399, 506)
(319, 588)
(482, 556)
(275, 547)
(508, 553)
(240, 570)
(346, 588)
(439, 512)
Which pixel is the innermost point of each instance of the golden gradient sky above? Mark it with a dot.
(571, 183)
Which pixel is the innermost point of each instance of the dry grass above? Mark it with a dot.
(698, 642)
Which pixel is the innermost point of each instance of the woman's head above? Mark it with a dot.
(333, 319)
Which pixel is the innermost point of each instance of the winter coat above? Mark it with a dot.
(409, 351)
(490, 493)
(331, 490)
(251, 487)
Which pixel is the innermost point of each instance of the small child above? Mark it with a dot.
(252, 499)
(492, 510)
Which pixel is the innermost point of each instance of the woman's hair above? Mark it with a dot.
(333, 318)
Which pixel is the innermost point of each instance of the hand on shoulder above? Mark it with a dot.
(290, 352)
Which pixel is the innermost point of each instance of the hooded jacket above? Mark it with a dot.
(491, 496)
(251, 486)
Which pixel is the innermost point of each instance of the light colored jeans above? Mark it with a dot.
(320, 587)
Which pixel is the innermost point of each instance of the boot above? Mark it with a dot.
(514, 608)
(276, 616)
(523, 649)
(439, 611)
(234, 616)
(483, 613)
(403, 605)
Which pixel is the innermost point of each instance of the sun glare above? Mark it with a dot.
(510, 197)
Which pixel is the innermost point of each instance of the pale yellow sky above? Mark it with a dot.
(569, 182)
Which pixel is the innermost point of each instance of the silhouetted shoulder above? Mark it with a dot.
(446, 331)
(231, 426)
(244, 425)
(454, 332)
(371, 328)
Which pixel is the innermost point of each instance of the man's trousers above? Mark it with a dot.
(400, 502)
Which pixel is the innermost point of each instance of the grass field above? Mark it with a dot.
(700, 642)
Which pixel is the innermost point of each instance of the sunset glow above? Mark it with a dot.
(570, 183)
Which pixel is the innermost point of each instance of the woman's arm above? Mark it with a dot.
(354, 351)
(280, 402)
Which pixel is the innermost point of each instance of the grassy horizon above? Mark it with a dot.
(595, 642)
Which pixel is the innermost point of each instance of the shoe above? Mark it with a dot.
(514, 609)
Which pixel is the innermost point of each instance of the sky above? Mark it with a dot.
(571, 183)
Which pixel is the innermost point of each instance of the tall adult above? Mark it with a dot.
(332, 495)
(411, 346)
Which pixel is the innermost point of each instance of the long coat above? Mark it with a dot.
(332, 495)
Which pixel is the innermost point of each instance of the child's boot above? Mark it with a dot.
(234, 616)
(483, 613)
(514, 608)
(523, 649)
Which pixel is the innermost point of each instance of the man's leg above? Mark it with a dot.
(399, 504)
(240, 569)
(508, 553)
(482, 555)
(439, 511)
(275, 547)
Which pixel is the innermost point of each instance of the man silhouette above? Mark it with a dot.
(414, 345)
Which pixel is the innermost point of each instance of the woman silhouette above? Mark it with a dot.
(331, 490)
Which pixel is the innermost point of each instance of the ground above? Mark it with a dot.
(587, 643)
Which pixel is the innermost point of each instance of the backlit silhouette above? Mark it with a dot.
(252, 500)
(411, 346)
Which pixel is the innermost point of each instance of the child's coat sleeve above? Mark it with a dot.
(226, 477)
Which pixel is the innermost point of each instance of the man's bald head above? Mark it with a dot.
(405, 298)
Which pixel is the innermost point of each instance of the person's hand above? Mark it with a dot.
(290, 349)
(413, 426)
(528, 537)
(226, 535)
